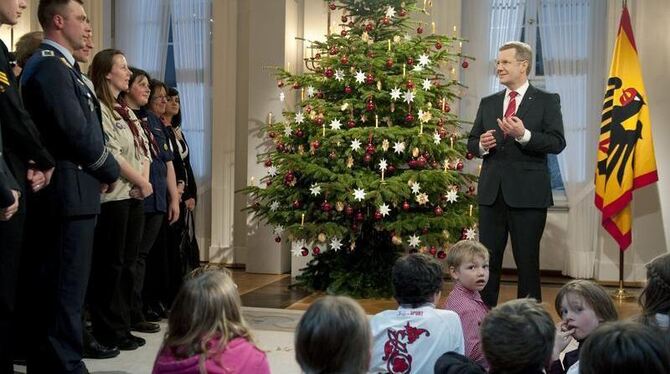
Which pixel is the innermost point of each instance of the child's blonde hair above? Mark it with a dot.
(465, 250)
(207, 307)
(593, 294)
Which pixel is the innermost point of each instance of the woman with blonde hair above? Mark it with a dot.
(206, 331)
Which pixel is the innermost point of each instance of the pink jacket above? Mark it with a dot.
(239, 357)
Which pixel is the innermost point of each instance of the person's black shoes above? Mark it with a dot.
(139, 341)
(127, 344)
(98, 351)
(145, 326)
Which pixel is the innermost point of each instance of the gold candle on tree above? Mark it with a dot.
(403, 70)
(432, 24)
(470, 210)
(421, 129)
(376, 121)
(252, 181)
(383, 174)
(446, 166)
(302, 220)
(451, 141)
(323, 128)
(389, 44)
(302, 94)
(270, 118)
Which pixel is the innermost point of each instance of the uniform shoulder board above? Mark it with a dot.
(47, 53)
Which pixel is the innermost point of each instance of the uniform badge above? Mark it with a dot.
(47, 53)
(3, 79)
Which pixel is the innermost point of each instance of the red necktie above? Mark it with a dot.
(511, 107)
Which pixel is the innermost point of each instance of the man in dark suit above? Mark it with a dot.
(68, 116)
(30, 165)
(513, 132)
(9, 190)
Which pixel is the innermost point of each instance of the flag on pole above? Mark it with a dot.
(625, 148)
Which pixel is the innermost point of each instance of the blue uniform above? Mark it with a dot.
(67, 114)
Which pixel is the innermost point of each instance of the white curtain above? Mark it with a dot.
(573, 53)
(506, 25)
(192, 37)
(141, 32)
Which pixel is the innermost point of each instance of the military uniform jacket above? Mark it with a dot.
(67, 114)
(21, 140)
(519, 171)
(7, 181)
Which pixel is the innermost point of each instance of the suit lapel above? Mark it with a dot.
(526, 102)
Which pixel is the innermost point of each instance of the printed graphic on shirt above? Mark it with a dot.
(398, 358)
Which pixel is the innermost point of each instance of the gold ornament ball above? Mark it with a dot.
(322, 237)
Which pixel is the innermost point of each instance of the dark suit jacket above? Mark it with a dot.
(21, 141)
(67, 114)
(7, 181)
(520, 172)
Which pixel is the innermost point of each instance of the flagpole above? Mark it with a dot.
(621, 294)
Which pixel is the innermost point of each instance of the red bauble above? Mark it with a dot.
(410, 85)
(343, 32)
(332, 6)
(354, 227)
(469, 155)
(316, 144)
(405, 206)
(386, 20)
(471, 190)
(459, 166)
(435, 165)
(296, 85)
(281, 147)
(344, 19)
(348, 210)
(333, 50)
(370, 79)
(304, 251)
(319, 95)
(389, 62)
(345, 59)
(268, 163)
(370, 148)
(367, 158)
(370, 54)
(447, 108)
(329, 73)
(347, 90)
(410, 61)
(359, 216)
(289, 177)
(433, 250)
(438, 211)
(272, 134)
(351, 123)
(390, 169)
(317, 56)
(369, 27)
(299, 133)
(351, 23)
(421, 161)
(370, 106)
(378, 216)
(280, 83)
(419, 30)
(438, 45)
(425, 230)
(465, 64)
(316, 250)
(412, 164)
(402, 13)
(409, 118)
(318, 120)
(278, 239)
(441, 255)
(326, 207)
(296, 204)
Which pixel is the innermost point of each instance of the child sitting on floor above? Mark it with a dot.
(206, 332)
(468, 265)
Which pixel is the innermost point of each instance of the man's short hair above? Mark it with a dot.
(518, 336)
(465, 250)
(416, 278)
(47, 9)
(523, 53)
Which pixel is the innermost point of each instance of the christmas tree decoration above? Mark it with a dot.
(359, 111)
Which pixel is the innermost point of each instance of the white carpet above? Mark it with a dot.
(272, 330)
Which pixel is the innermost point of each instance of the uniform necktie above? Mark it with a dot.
(511, 107)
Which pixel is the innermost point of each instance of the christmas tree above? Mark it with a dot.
(369, 165)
